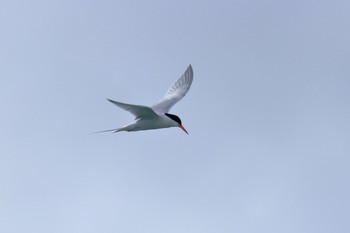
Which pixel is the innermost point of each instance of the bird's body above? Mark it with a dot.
(162, 121)
(157, 116)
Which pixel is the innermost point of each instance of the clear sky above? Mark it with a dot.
(268, 116)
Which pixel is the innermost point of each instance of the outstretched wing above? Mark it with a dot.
(175, 92)
(138, 111)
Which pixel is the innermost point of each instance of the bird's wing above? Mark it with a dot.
(138, 111)
(175, 92)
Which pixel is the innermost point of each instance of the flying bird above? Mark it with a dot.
(157, 116)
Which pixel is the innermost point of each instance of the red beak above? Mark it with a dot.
(183, 128)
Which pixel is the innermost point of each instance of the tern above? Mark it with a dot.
(157, 116)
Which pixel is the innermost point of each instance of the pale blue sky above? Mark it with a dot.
(268, 116)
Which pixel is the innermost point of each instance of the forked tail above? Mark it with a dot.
(108, 130)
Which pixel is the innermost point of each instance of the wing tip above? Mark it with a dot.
(112, 101)
(189, 73)
(190, 67)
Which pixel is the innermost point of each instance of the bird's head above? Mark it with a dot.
(177, 120)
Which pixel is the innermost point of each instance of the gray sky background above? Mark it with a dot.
(268, 116)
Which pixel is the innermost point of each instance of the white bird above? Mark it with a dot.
(157, 116)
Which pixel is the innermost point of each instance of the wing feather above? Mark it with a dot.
(175, 92)
(139, 111)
